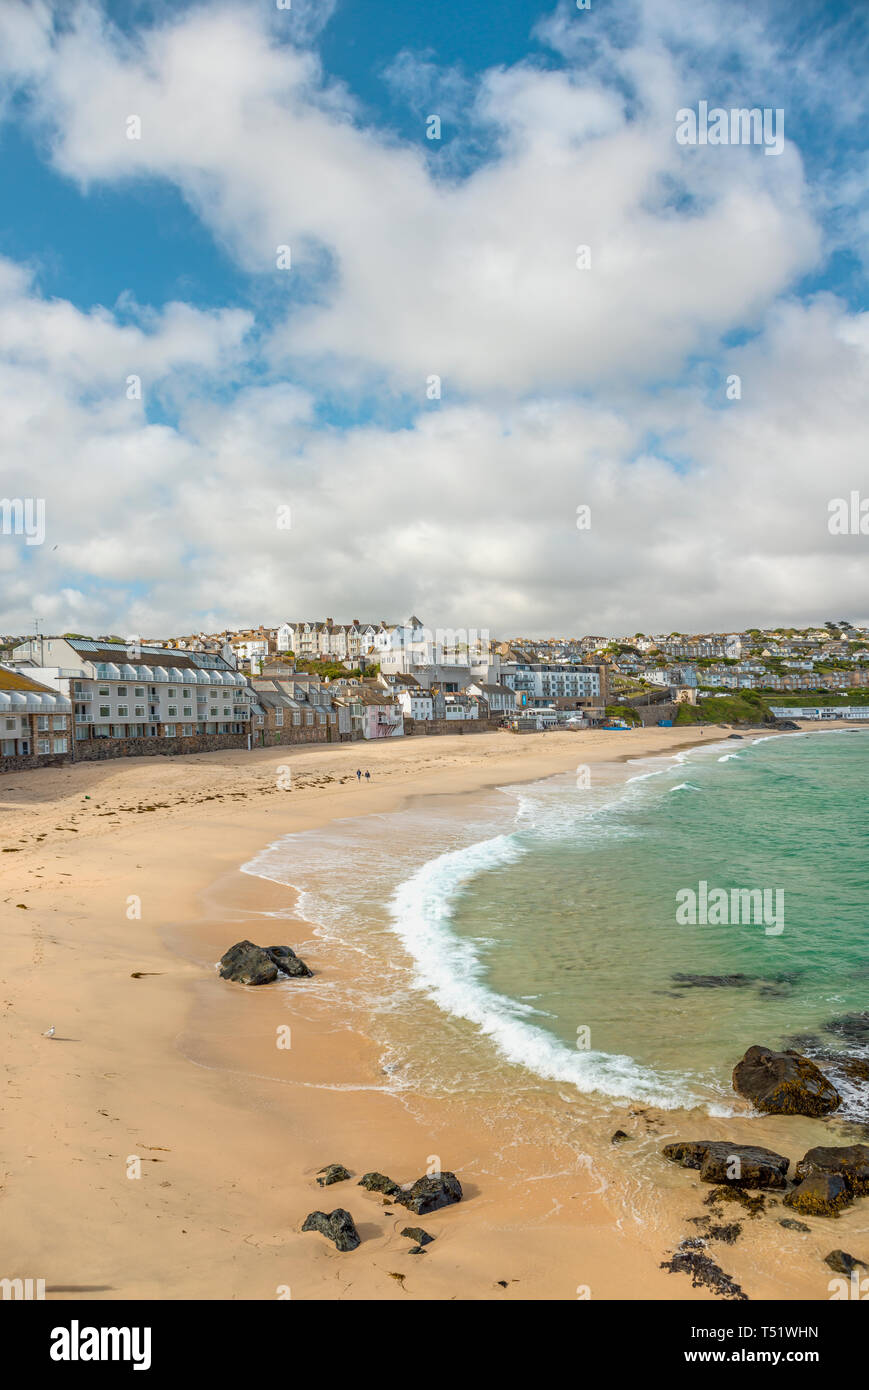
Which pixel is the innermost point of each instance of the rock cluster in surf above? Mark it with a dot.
(248, 964)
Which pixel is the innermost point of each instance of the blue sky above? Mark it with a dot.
(415, 259)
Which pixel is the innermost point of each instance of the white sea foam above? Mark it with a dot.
(448, 970)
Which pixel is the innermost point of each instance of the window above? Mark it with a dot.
(171, 694)
(279, 717)
(139, 692)
(81, 731)
(170, 730)
(42, 721)
(297, 716)
(59, 745)
(101, 731)
(123, 710)
(213, 711)
(104, 711)
(185, 694)
(8, 747)
(140, 710)
(188, 709)
(226, 711)
(44, 745)
(121, 692)
(119, 731)
(188, 730)
(59, 721)
(11, 723)
(173, 709)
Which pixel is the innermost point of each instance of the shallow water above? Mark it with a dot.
(529, 937)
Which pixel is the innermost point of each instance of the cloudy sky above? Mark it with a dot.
(240, 285)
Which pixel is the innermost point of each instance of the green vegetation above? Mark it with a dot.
(334, 670)
(746, 707)
(625, 712)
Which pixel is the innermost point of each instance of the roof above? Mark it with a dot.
(136, 654)
(14, 680)
(24, 694)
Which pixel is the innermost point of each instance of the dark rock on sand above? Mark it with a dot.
(335, 1172)
(784, 1083)
(791, 1225)
(737, 1165)
(620, 1137)
(378, 1182)
(704, 1273)
(288, 962)
(843, 1263)
(430, 1193)
(248, 964)
(418, 1234)
(823, 1194)
(734, 735)
(337, 1226)
(851, 1162)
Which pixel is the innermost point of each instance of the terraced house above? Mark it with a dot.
(34, 723)
(133, 699)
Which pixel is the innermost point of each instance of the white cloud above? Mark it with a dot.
(561, 386)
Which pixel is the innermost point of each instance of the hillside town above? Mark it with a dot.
(79, 698)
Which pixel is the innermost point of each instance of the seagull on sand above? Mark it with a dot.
(49, 1033)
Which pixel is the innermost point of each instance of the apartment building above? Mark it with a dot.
(131, 698)
(35, 723)
(537, 683)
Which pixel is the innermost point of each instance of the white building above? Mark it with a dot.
(821, 711)
(539, 682)
(129, 691)
(447, 657)
(416, 703)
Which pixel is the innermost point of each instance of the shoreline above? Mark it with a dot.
(158, 1076)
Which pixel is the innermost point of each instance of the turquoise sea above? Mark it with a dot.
(530, 935)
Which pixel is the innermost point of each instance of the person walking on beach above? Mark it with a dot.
(368, 776)
(359, 774)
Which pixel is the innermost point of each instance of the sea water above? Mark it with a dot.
(531, 936)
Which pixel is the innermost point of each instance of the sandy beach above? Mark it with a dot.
(120, 886)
